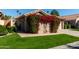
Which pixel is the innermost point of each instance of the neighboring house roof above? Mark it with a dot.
(70, 17)
(6, 22)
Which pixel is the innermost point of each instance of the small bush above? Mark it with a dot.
(11, 29)
(3, 30)
(67, 26)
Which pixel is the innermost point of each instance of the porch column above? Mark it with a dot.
(63, 24)
(25, 23)
(59, 27)
(48, 29)
(40, 28)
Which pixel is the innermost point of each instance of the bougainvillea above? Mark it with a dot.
(35, 19)
(47, 18)
(44, 18)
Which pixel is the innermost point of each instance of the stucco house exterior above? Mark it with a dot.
(4, 22)
(9, 22)
(71, 19)
(22, 24)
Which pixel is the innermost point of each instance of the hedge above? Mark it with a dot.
(11, 29)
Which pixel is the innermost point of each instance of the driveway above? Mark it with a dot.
(67, 46)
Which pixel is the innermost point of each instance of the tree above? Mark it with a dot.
(55, 12)
(19, 13)
(6, 17)
(1, 14)
(47, 11)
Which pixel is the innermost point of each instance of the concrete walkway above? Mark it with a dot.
(64, 31)
(32, 35)
(70, 32)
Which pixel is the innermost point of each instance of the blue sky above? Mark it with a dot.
(62, 12)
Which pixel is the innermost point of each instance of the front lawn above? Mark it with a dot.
(42, 42)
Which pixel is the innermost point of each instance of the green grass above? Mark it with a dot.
(41, 42)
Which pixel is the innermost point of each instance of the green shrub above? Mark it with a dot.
(65, 26)
(73, 27)
(54, 25)
(33, 23)
(11, 29)
(3, 30)
(69, 26)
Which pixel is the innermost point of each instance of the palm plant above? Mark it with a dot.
(17, 12)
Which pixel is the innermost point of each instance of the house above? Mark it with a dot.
(71, 19)
(4, 22)
(22, 24)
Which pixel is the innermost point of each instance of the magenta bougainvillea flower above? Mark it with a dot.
(45, 18)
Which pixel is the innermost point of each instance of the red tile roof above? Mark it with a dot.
(70, 17)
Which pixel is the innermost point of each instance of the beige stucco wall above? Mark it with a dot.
(61, 25)
(1, 22)
(12, 22)
(42, 29)
(77, 19)
(77, 22)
